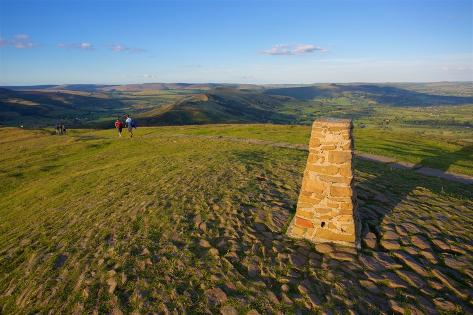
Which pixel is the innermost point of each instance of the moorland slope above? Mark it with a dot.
(173, 222)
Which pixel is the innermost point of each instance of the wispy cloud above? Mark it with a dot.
(123, 48)
(83, 46)
(19, 41)
(289, 50)
(150, 76)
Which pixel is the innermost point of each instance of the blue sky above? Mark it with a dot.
(114, 42)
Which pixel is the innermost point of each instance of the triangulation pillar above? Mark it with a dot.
(326, 206)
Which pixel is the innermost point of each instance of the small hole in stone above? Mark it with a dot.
(322, 224)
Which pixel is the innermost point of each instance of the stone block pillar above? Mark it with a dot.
(326, 206)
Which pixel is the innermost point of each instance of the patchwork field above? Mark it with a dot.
(188, 220)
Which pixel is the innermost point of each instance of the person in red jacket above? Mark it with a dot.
(119, 126)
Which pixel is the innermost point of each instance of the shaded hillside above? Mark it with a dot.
(382, 94)
(219, 106)
(17, 106)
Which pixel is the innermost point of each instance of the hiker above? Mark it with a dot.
(58, 129)
(119, 126)
(63, 129)
(130, 124)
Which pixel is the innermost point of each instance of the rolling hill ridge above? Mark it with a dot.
(221, 105)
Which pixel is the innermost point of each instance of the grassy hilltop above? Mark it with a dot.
(191, 217)
(174, 221)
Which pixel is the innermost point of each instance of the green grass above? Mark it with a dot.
(82, 211)
(445, 152)
(69, 195)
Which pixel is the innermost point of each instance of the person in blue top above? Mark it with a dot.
(130, 124)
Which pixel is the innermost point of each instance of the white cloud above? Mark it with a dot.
(150, 76)
(83, 46)
(306, 49)
(22, 37)
(123, 48)
(19, 41)
(289, 50)
(118, 48)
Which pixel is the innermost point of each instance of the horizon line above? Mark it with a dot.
(239, 83)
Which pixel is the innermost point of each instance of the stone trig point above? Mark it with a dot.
(326, 209)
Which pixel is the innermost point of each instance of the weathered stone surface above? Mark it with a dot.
(314, 300)
(396, 308)
(228, 310)
(342, 256)
(420, 242)
(272, 297)
(216, 296)
(213, 252)
(412, 263)
(387, 261)
(330, 235)
(371, 263)
(302, 289)
(412, 278)
(253, 270)
(386, 244)
(303, 222)
(204, 244)
(285, 299)
(298, 260)
(390, 235)
(370, 286)
(325, 209)
(112, 284)
(455, 263)
(339, 157)
(323, 248)
(441, 244)
(340, 191)
(370, 241)
(429, 255)
(394, 281)
(445, 305)
(450, 283)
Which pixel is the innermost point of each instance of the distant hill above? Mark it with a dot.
(440, 88)
(41, 106)
(382, 94)
(95, 105)
(62, 87)
(131, 87)
(222, 105)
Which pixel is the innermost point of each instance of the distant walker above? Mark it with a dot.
(119, 126)
(130, 125)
